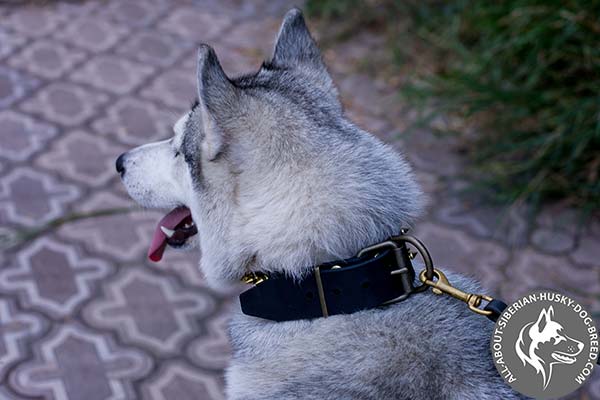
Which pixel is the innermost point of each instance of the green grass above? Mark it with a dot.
(525, 73)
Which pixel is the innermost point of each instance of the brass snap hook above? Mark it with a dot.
(442, 286)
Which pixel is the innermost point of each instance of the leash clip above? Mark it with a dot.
(443, 286)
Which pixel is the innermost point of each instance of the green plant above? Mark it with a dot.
(527, 73)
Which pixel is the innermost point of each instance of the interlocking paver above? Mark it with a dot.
(14, 85)
(9, 42)
(121, 237)
(82, 157)
(134, 121)
(155, 48)
(181, 382)
(65, 103)
(31, 197)
(73, 362)
(135, 13)
(175, 88)
(113, 74)
(21, 135)
(17, 329)
(32, 21)
(47, 59)
(82, 81)
(92, 33)
(212, 350)
(193, 23)
(52, 277)
(130, 305)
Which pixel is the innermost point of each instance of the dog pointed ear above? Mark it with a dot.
(294, 44)
(295, 48)
(544, 318)
(216, 96)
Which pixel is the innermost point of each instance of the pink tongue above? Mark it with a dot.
(159, 240)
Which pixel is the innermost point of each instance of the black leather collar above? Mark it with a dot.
(380, 275)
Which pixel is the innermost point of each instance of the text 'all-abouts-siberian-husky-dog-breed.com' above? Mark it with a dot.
(265, 173)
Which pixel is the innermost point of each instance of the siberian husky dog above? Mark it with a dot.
(266, 173)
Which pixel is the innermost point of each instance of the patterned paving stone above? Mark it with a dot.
(53, 277)
(135, 13)
(21, 135)
(92, 34)
(234, 62)
(14, 86)
(31, 198)
(65, 103)
(6, 394)
(82, 157)
(32, 21)
(17, 329)
(123, 237)
(76, 363)
(136, 122)
(9, 42)
(150, 311)
(179, 381)
(253, 37)
(47, 59)
(192, 23)
(74, 9)
(184, 264)
(175, 88)
(155, 48)
(111, 73)
(212, 350)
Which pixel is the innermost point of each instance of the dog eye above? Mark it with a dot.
(177, 154)
(558, 339)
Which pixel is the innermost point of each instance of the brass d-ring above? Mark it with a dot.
(417, 244)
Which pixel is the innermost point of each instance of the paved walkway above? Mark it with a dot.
(83, 315)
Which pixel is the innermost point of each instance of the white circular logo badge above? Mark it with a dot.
(545, 345)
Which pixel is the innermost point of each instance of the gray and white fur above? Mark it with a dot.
(278, 179)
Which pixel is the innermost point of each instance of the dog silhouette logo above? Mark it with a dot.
(545, 345)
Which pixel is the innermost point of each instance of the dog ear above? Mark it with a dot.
(216, 95)
(544, 318)
(294, 44)
(295, 48)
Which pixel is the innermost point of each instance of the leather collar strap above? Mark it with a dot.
(340, 287)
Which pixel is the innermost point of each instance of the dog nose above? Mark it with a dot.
(120, 164)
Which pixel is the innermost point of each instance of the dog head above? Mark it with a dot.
(268, 170)
(543, 343)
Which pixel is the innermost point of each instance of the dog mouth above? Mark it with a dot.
(174, 229)
(563, 358)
